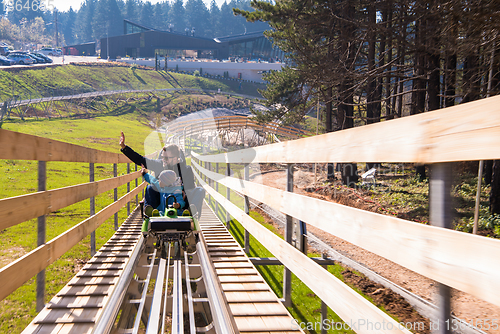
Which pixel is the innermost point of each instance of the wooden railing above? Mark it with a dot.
(191, 127)
(15, 210)
(459, 260)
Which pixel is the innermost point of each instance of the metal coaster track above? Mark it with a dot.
(133, 285)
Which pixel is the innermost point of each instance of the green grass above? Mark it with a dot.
(17, 310)
(306, 306)
(80, 78)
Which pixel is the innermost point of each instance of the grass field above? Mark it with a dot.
(89, 77)
(20, 177)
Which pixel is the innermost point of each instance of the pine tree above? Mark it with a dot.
(131, 10)
(214, 20)
(177, 16)
(67, 26)
(197, 17)
(147, 14)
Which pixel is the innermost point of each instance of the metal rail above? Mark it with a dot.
(223, 321)
(135, 303)
(105, 322)
(87, 301)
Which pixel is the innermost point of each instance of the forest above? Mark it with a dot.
(97, 19)
(363, 61)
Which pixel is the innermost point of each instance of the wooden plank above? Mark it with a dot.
(266, 323)
(18, 272)
(248, 278)
(250, 296)
(228, 259)
(245, 287)
(222, 265)
(447, 256)
(76, 328)
(230, 271)
(42, 329)
(344, 301)
(20, 146)
(13, 210)
(469, 131)
(252, 309)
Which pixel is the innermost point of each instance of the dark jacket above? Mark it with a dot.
(156, 165)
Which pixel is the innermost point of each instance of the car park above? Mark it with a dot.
(4, 61)
(20, 58)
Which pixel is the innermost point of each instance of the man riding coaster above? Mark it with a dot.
(170, 159)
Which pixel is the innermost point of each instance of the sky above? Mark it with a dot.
(63, 5)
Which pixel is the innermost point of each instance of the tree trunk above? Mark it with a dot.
(450, 79)
(487, 171)
(401, 62)
(390, 102)
(418, 93)
(495, 188)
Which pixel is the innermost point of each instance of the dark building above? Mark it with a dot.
(253, 45)
(85, 49)
(142, 42)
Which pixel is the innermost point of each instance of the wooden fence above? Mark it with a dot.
(15, 210)
(459, 260)
(192, 127)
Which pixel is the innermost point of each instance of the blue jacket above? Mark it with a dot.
(165, 192)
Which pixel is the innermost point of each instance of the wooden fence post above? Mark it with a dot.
(40, 277)
(287, 274)
(136, 185)
(115, 174)
(208, 165)
(247, 209)
(128, 190)
(228, 196)
(440, 215)
(217, 189)
(92, 210)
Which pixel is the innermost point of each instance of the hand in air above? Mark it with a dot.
(122, 140)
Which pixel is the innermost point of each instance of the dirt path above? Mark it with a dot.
(464, 306)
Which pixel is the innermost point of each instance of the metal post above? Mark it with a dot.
(92, 210)
(324, 308)
(136, 185)
(287, 275)
(115, 174)
(228, 196)
(440, 215)
(40, 277)
(247, 210)
(128, 190)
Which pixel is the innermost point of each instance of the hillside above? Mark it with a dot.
(88, 77)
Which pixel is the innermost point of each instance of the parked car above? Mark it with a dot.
(50, 52)
(20, 58)
(36, 60)
(4, 49)
(46, 59)
(4, 61)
